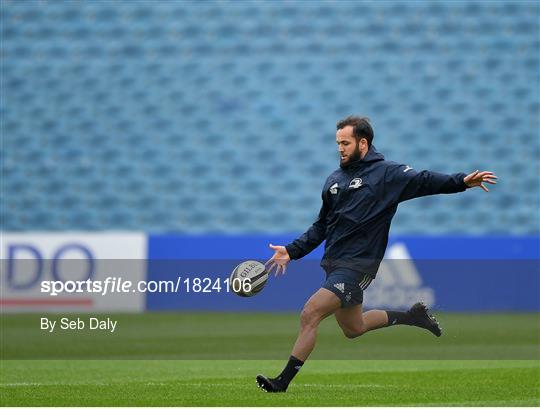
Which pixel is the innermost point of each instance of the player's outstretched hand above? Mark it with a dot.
(278, 261)
(478, 178)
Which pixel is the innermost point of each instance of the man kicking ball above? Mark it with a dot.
(359, 201)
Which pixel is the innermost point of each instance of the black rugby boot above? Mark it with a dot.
(423, 319)
(270, 384)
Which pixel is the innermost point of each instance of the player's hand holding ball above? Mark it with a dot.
(279, 260)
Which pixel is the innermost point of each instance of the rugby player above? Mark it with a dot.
(359, 201)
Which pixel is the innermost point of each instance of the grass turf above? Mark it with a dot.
(189, 365)
(232, 383)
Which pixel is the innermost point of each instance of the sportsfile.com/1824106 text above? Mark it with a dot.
(119, 285)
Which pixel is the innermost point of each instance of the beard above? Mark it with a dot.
(351, 158)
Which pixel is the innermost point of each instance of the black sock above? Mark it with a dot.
(399, 317)
(291, 369)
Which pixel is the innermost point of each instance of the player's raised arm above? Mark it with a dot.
(404, 183)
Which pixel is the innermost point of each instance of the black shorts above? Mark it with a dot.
(348, 285)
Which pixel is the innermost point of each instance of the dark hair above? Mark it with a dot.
(361, 127)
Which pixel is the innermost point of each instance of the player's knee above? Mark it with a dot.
(353, 332)
(352, 335)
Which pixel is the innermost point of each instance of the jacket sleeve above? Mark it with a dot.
(311, 239)
(404, 183)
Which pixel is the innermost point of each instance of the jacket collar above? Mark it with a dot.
(371, 156)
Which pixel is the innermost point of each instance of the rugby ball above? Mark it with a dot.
(248, 278)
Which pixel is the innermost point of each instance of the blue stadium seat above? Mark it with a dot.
(137, 116)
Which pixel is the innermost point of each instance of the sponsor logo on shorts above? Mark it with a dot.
(340, 287)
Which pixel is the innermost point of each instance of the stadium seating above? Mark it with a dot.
(219, 117)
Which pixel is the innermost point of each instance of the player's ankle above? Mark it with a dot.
(289, 372)
(400, 318)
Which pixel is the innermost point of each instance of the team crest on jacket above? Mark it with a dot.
(355, 183)
(334, 188)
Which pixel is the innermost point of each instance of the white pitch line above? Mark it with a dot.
(15, 384)
(347, 386)
(23, 384)
(180, 384)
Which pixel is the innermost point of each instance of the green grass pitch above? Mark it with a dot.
(211, 359)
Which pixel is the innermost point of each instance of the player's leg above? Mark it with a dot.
(350, 286)
(321, 304)
(354, 323)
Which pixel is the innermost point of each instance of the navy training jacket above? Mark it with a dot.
(358, 204)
